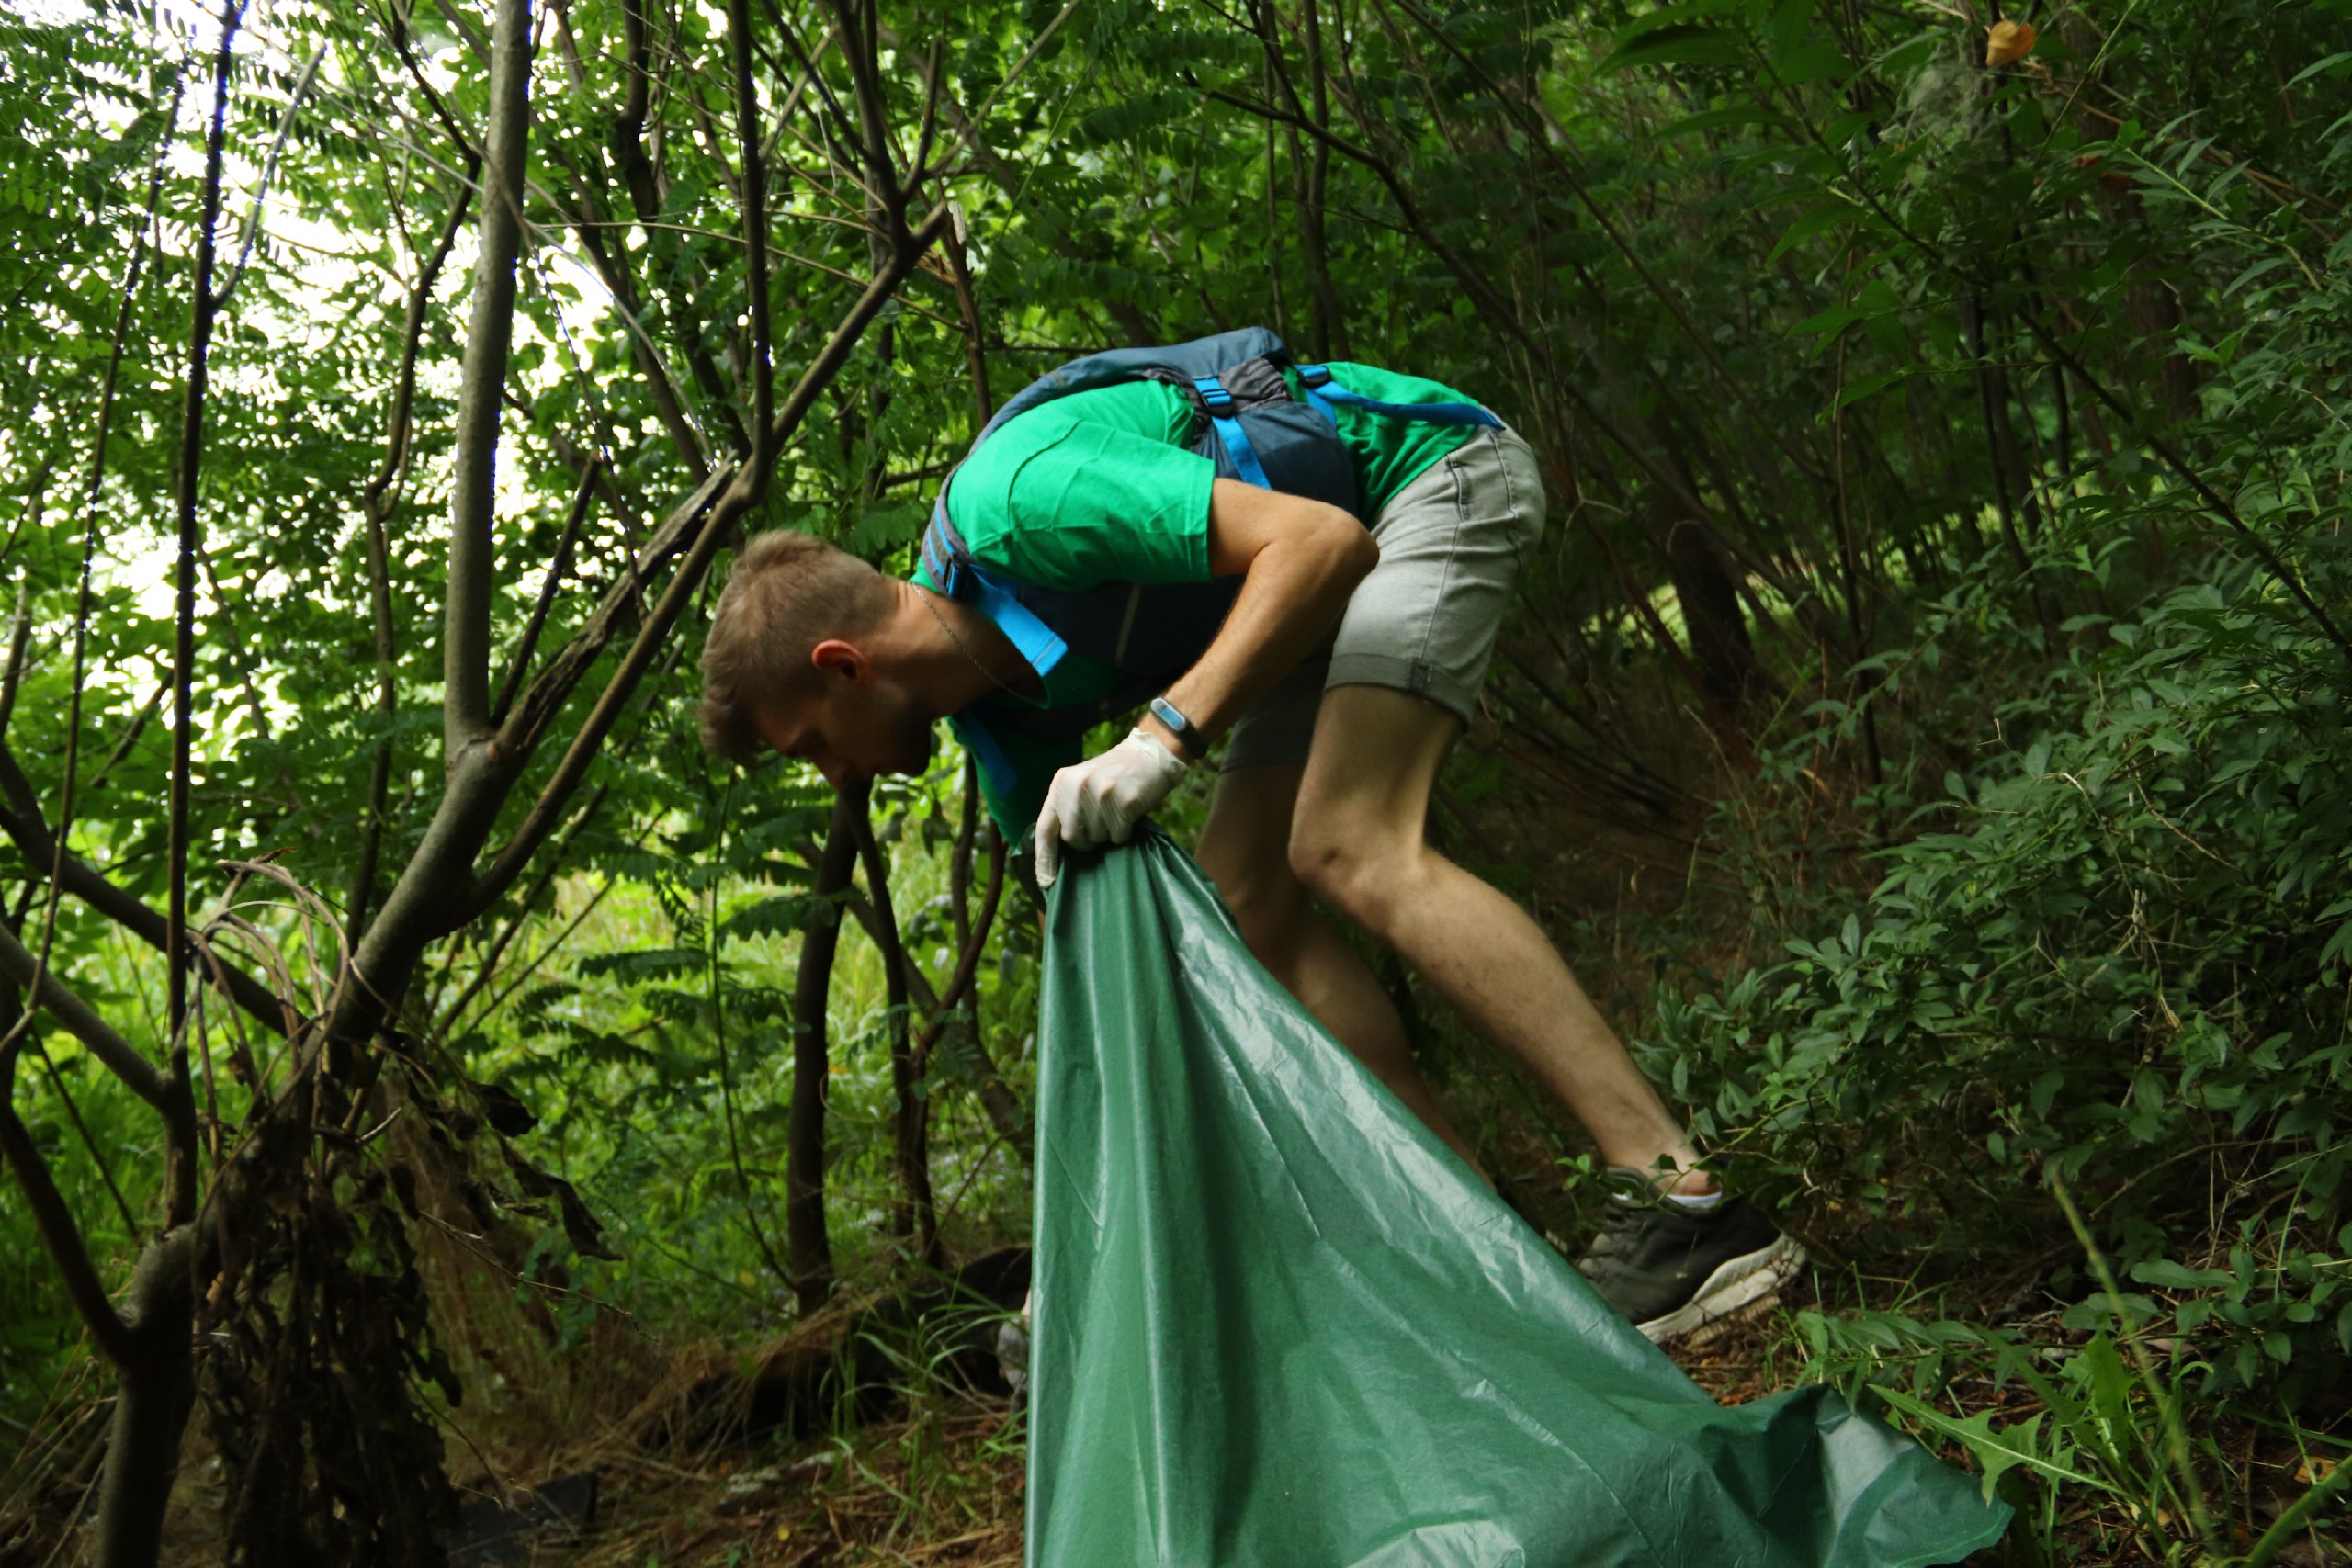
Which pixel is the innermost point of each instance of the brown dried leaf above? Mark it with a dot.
(2008, 41)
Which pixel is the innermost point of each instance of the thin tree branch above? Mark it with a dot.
(268, 173)
(686, 581)
(378, 500)
(715, 970)
(83, 595)
(917, 1219)
(63, 1238)
(179, 1108)
(520, 663)
(20, 633)
(487, 970)
(806, 1239)
(117, 1055)
(465, 647)
(21, 821)
(755, 251)
(968, 963)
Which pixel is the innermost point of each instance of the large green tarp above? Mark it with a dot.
(1277, 1325)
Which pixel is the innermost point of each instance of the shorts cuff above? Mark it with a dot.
(1418, 676)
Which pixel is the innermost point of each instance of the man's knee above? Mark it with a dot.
(1266, 899)
(1353, 869)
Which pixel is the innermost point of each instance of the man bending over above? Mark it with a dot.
(1337, 648)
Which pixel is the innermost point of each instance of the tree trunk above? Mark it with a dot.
(156, 1391)
(1711, 615)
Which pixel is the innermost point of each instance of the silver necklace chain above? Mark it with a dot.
(962, 646)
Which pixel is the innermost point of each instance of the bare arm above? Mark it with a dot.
(1298, 561)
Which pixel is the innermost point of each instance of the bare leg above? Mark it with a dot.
(1357, 842)
(1244, 848)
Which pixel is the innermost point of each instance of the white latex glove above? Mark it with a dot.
(1100, 801)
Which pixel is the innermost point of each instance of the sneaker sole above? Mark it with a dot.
(1735, 1283)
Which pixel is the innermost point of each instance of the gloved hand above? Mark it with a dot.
(1100, 801)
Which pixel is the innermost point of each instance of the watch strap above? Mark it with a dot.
(1184, 729)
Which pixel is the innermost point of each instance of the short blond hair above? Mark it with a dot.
(786, 593)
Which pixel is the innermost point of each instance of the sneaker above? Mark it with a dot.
(1671, 1270)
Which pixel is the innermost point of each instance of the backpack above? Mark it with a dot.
(1248, 423)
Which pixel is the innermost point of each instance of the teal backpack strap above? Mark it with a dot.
(985, 748)
(1323, 392)
(1219, 402)
(950, 563)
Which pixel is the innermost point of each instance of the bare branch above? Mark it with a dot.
(117, 1055)
(21, 821)
(684, 582)
(755, 249)
(177, 1104)
(465, 649)
(20, 632)
(619, 279)
(487, 970)
(268, 173)
(967, 964)
(968, 307)
(62, 1237)
(917, 1218)
(383, 494)
(520, 662)
(804, 1160)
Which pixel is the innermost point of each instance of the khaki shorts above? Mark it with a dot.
(1451, 543)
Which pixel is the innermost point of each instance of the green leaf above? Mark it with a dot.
(2016, 1446)
(1862, 387)
(2166, 1275)
(1820, 220)
(2328, 64)
(1815, 63)
(1791, 19)
(1679, 43)
(2110, 1396)
(1707, 120)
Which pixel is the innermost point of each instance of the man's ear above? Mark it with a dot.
(846, 660)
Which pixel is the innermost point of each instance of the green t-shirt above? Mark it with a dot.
(1098, 488)
(1390, 453)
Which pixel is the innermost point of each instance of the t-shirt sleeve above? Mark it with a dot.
(1072, 505)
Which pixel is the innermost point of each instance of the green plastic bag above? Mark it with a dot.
(1278, 1325)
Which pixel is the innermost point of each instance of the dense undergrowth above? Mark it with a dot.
(2065, 1087)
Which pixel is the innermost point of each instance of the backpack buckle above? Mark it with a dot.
(1212, 394)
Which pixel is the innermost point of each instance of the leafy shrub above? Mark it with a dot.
(2117, 958)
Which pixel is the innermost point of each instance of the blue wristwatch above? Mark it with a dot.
(1183, 728)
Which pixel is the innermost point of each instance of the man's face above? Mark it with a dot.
(848, 729)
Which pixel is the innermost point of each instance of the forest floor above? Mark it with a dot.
(939, 1483)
